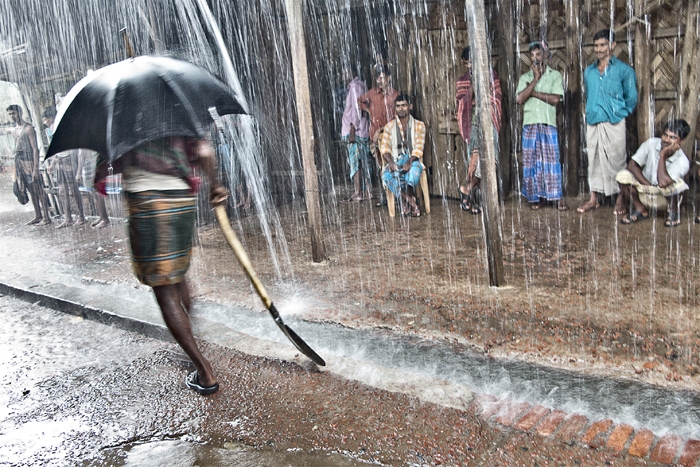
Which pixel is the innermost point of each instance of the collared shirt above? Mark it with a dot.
(352, 113)
(535, 110)
(389, 142)
(612, 95)
(648, 156)
(380, 107)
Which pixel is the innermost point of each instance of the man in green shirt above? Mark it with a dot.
(539, 91)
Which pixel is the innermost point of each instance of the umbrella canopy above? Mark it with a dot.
(123, 105)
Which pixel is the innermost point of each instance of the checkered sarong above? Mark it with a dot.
(358, 152)
(161, 224)
(541, 166)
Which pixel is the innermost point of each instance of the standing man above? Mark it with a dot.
(468, 123)
(64, 166)
(378, 102)
(402, 149)
(611, 95)
(539, 91)
(355, 132)
(27, 164)
(654, 176)
(160, 185)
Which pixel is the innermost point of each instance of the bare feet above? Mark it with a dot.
(64, 224)
(94, 223)
(620, 209)
(587, 206)
(536, 206)
(562, 206)
(100, 225)
(36, 220)
(81, 221)
(44, 222)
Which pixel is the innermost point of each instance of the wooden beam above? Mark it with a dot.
(507, 75)
(295, 26)
(642, 60)
(481, 67)
(572, 99)
(689, 83)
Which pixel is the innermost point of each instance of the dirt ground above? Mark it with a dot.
(582, 292)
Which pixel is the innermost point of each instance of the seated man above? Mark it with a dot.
(402, 150)
(648, 183)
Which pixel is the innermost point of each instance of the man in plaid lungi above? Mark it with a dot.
(539, 91)
(654, 176)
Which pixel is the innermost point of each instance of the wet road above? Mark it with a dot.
(80, 393)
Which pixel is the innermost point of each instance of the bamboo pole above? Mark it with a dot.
(572, 100)
(295, 27)
(481, 67)
(642, 66)
(689, 83)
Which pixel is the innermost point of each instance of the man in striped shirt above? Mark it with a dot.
(402, 150)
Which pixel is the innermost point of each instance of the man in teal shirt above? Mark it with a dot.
(611, 95)
(539, 91)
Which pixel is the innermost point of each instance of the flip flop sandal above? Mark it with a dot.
(634, 217)
(415, 212)
(466, 206)
(192, 382)
(673, 219)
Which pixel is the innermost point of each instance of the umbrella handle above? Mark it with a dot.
(241, 254)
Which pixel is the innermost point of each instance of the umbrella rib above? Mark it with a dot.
(183, 100)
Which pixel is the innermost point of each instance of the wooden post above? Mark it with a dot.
(642, 67)
(295, 27)
(572, 99)
(689, 83)
(481, 67)
(506, 72)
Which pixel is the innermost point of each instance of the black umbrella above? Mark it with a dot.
(123, 105)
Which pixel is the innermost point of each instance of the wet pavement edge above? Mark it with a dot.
(125, 314)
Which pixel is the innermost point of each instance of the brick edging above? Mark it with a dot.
(576, 428)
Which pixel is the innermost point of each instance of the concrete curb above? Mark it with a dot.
(123, 313)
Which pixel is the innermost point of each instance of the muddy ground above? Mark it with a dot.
(582, 291)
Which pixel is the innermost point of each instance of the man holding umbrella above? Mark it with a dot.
(148, 118)
(160, 186)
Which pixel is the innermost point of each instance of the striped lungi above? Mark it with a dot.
(161, 224)
(541, 166)
(606, 155)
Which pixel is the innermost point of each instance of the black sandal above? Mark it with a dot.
(476, 200)
(463, 197)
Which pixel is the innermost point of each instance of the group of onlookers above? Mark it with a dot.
(380, 132)
(68, 169)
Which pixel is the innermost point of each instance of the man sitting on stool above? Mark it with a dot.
(649, 183)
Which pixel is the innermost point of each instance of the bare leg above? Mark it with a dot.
(79, 201)
(171, 305)
(43, 201)
(65, 200)
(36, 205)
(103, 221)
